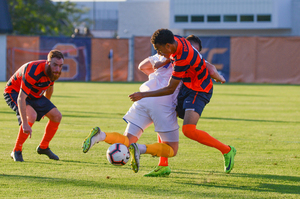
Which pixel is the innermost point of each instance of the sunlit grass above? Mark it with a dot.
(261, 121)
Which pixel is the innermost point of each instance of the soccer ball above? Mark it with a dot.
(118, 154)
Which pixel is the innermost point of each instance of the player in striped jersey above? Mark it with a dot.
(163, 168)
(195, 93)
(28, 93)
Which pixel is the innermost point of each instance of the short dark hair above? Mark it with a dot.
(162, 37)
(195, 39)
(55, 53)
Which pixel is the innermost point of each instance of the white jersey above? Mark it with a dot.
(157, 80)
(157, 110)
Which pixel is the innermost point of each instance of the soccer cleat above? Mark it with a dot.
(87, 143)
(135, 157)
(47, 152)
(159, 171)
(17, 156)
(229, 159)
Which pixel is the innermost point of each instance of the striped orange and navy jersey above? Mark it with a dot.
(190, 67)
(31, 79)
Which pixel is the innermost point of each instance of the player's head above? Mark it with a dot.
(163, 42)
(55, 61)
(55, 54)
(195, 41)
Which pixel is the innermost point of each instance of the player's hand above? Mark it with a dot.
(136, 96)
(27, 129)
(221, 79)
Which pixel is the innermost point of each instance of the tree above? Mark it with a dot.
(43, 17)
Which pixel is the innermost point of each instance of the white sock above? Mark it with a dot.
(98, 137)
(142, 148)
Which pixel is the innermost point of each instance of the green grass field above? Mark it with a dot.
(261, 121)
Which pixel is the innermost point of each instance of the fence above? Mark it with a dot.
(238, 59)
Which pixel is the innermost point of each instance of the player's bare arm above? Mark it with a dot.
(49, 92)
(173, 83)
(146, 67)
(22, 110)
(214, 73)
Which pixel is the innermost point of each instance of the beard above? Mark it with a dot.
(53, 76)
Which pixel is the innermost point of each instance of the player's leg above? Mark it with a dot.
(133, 132)
(22, 137)
(44, 107)
(11, 100)
(170, 138)
(168, 147)
(96, 135)
(189, 130)
(191, 113)
(51, 128)
(162, 169)
(164, 118)
(156, 149)
(137, 120)
(163, 161)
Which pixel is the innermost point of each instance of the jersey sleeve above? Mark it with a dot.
(27, 81)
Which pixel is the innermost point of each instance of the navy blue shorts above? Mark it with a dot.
(190, 99)
(41, 105)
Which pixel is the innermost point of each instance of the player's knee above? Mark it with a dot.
(174, 152)
(174, 149)
(56, 117)
(188, 130)
(168, 151)
(31, 116)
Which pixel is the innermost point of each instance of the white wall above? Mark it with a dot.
(3, 57)
(280, 11)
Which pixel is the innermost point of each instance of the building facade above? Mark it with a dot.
(127, 18)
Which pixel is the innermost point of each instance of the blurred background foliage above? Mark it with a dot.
(44, 17)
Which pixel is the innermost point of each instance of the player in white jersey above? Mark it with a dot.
(158, 110)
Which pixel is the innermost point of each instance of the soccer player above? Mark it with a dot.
(163, 168)
(28, 93)
(160, 111)
(195, 93)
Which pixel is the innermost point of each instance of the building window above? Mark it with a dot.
(246, 18)
(213, 18)
(197, 18)
(181, 18)
(263, 18)
(230, 18)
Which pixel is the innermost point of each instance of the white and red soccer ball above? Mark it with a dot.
(118, 154)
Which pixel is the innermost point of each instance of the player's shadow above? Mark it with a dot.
(65, 96)
(102, 182)
(249, 120)
(90, 114)
(260, 183)
(238, 94)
